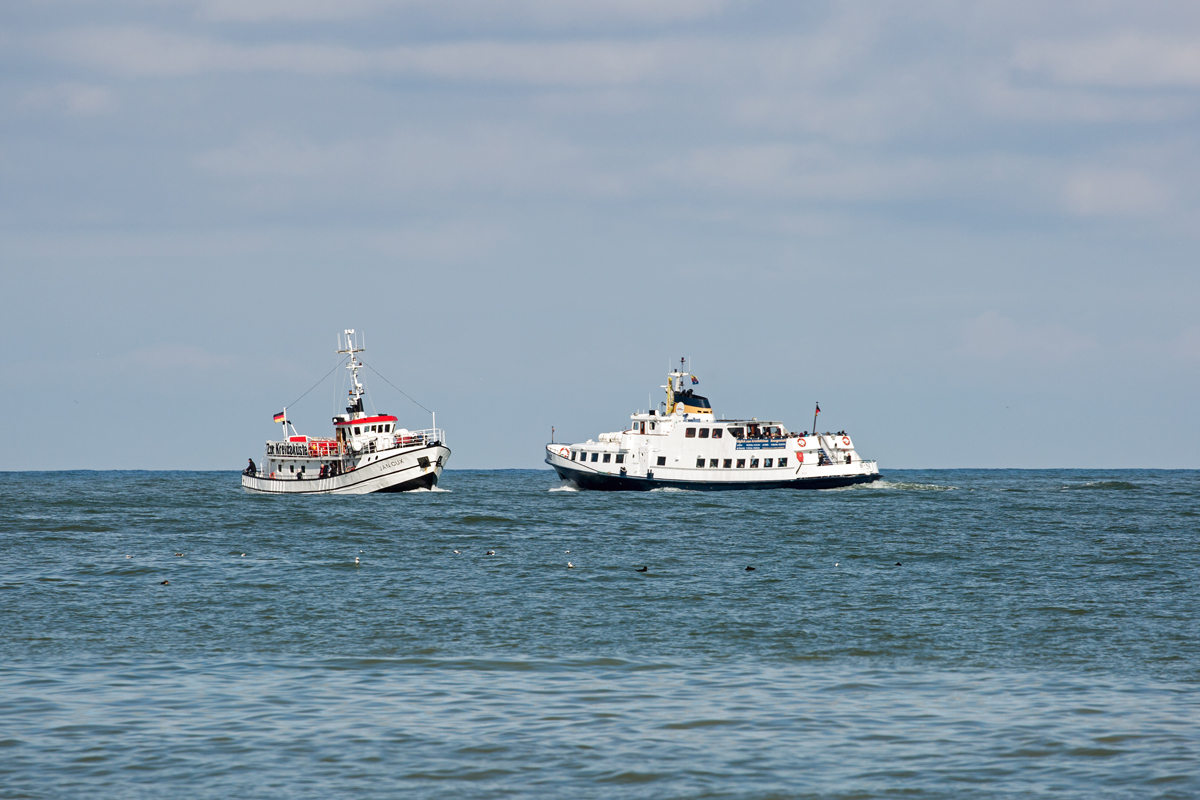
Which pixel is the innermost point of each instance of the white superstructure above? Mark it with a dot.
(688, 447)
(367, 453)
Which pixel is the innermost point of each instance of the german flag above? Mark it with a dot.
(279, 417)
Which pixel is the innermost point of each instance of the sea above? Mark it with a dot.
(938, 634)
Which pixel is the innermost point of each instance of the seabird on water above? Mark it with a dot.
(749, 569)
(458, 551)
(491, 552)
(898, 564)
(356, 559)
(164, 583)
(570, 565)
(644, 569)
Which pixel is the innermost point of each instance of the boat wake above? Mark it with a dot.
(893, 486)
(565, 486)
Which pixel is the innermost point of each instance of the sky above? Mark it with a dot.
(969, 230)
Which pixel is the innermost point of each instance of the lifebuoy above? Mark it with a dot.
(565, 452)
(846, 441)
(800, 442)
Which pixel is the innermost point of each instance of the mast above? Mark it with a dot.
(356, 389)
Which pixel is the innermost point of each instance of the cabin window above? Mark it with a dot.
(712, 463)
(767, 462)
(699, 462)
(737, 433)
(595, 457)
(662, 461)
(716, 433)
(704, 433)
(356, 431)
(651, 426)
(291, 467)
(783, 462)
(573, 453)
(607, 457)
(741, 463)
(690, 433)
(753, 463)
(728, 463)
(620, 458)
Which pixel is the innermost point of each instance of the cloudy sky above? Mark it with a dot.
(970, 230)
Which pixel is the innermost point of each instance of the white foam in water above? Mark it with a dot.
(433, 489)
(566, 486)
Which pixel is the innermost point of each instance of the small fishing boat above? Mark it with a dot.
(367, 452)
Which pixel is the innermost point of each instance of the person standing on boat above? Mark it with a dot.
(250, 468)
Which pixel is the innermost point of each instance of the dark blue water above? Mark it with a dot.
(1038, 637)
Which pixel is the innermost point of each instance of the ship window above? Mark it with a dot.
(651, 426)
(737, 433)
(607, 457)
(690, 433)
(783, 462)
(595, 456)
(712, 463)
(662, 461)
(620, 458)
(768, 462)
(728, 463)
(716, 433)
(753, 463)
(573, 454)
(291, 467)
(699, 462)
(741, 463)
(356, 431)
(704, 433)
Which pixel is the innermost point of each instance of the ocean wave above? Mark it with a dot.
(1120, 486)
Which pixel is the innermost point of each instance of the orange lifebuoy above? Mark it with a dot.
(564, 451)
(846, 441)
(800, 442)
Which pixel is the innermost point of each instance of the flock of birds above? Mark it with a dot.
(570, 565)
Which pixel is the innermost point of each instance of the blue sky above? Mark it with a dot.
(968, 229)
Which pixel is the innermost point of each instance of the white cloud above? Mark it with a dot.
(540, 12)
(147, 52)
(1127, 60)
(993, 336)
(1114, 193)
(1187, 344)
(72, 99)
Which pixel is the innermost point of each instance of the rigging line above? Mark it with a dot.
(394, 386)
(318, 383)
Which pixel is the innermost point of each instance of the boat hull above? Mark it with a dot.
(390, 471)
(631, 483)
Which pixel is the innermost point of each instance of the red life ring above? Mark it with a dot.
(800, 442)
(846, 441)
(565, 452)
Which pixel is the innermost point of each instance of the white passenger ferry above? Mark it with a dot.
(367, 453)
(689, 448)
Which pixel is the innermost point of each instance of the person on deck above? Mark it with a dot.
(250, 468)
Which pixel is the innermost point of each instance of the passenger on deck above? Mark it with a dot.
(250, 468)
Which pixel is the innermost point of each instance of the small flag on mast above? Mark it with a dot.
(279, 417)
(818, 408)
(695, 380)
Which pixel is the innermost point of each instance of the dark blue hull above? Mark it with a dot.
(619, 483)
